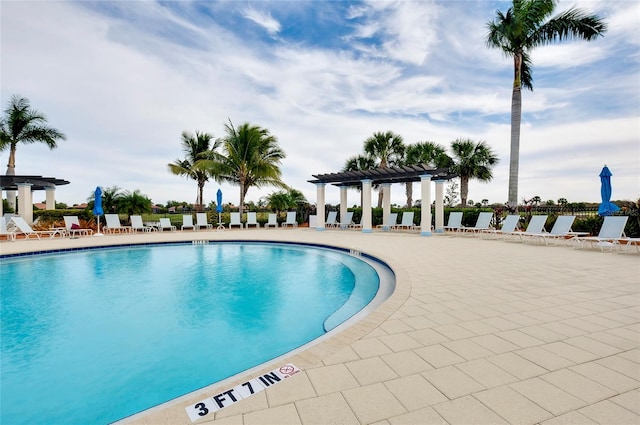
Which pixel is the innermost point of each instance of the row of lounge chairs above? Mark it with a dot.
(611, 233)
(389, 224)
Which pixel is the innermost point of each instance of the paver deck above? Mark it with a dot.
(477, 331)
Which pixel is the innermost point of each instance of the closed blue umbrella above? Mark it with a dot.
(219, 208)
(606, 207)
(97, 207)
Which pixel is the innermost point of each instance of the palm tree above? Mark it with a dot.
(472, 161)
(134, 203)
(527, 25)
(251, 157)
(429, 153)
(386, 149)
(284, 200)
(21, 124)
(358, 163)
(195, 148)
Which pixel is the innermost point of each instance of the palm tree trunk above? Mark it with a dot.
(464, 190)
(409, 191)
(11, 171)
(514, 158)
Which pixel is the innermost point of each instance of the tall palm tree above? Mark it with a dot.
(21, 124)
(358, 163)
(472, 161)
(387, 149)
(251, 157)
(429, 153)
(526, 25)
(195, 147)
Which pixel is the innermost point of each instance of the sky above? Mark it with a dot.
(123, 79)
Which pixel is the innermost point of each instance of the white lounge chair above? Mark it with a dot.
(252, 220)
(187, 222)
(73, 228)
(407, 221)
(455, 222)
(332, 219)
(202, 222)
(508, 226)
(291, 219)
(137, 224)
(114, 225)
(348, 220)
(391, 221)
(4, 231)
(611, 232)
(561, 230)
(535, 226)
(235, 220)
(22, 227)
(165, 224)
(354, 225)
(482, 223)
(272, 221)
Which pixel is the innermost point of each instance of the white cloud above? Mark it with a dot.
(265, 20)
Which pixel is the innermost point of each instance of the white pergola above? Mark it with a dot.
(385, 177)
(25, 185)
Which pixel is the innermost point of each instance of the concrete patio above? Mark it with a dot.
(477, 331)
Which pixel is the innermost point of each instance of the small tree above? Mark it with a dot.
(451, 197)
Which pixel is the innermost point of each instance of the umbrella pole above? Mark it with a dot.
(220, 225)
(98, 234)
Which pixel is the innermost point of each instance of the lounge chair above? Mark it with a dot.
(291, 219)
(9, 233)
(165, 224)
(482, 223)
(628, 243)
(332, 219)
(407, 221)
(114, 225)
(561, 230)
(535, 226)
(391, 221)
(272, 221)
(356, 225)
(252, 220)
(347, 220)
(611, 232)
(187, 222)
(23, 228)
(137, 225)
(202, 222)
(235, 220)
(73, 228)
(508, 226)
(455, 222)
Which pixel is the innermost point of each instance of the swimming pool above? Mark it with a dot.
(94, 336)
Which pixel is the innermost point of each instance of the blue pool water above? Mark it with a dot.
(94, 336)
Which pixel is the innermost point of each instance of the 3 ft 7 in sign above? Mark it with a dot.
(240, 392)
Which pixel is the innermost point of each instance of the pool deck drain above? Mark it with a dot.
(477, 331)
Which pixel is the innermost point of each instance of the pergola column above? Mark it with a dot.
(320, 206)
(366, 206)
(425, 214)
(25, 202)
(439, 206)
(386, 204)
(343, 204)
(51, 198)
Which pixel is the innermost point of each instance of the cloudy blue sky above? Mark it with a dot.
(123, 79)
